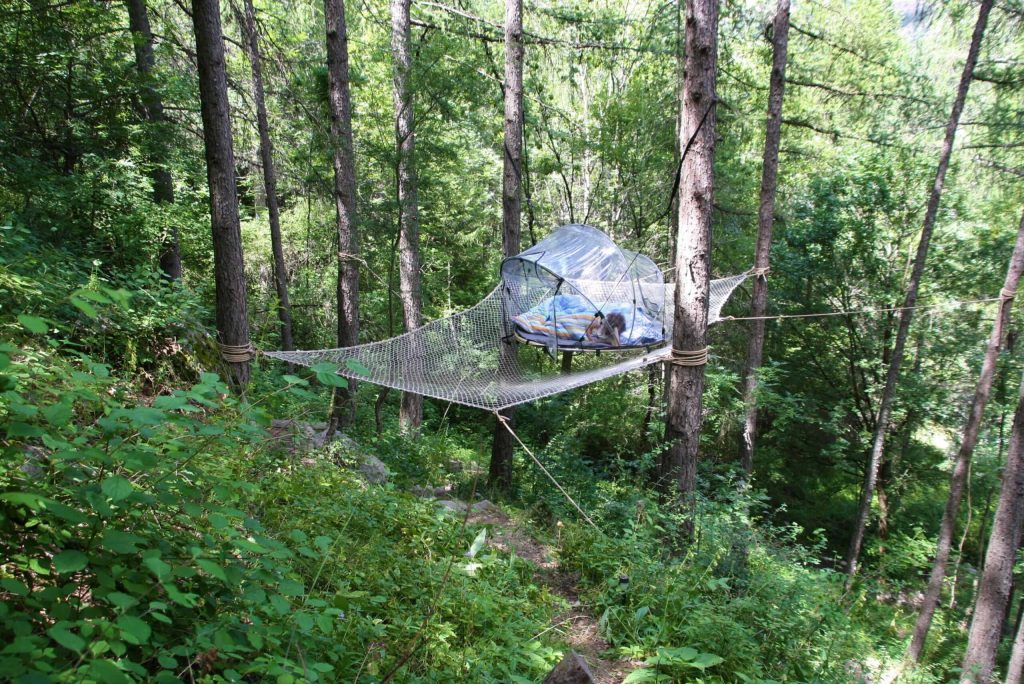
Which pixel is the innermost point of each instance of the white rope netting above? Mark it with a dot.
(458, 358)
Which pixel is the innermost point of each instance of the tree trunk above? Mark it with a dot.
(765, 222)
(997, 577)
(229, 266)
(248, 22)
(411, 412)
(907, 313)
(340, 101)
(961, 467)
(693, 251)
(153, 108)
(1015, 668)
(511, 183)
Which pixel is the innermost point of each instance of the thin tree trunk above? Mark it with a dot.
(248, 22)
(163, 183)
(340, 103)
(500, 476)
(962, 465)
(411, 412)
(765, 222)
(229, 265)
(997, 577)
(1015, 668)
(693, 252)
(907, 313)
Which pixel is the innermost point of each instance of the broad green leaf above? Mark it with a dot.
(33, 324)
(157, 567)
(121, 600)
(121, 542)
(331, 379)
(117, 487)
(70, 561)
(85, 307)
(108, 673)
(477, 544)
(212, 568)
(27, 499)
(65, 637)
(706, 660)
(357, 367)
(134, 630)
(58, 414)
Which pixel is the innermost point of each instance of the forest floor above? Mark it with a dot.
(577, 624)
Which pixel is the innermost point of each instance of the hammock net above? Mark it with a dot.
(548, 298)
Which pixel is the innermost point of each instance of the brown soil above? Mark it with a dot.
(576, 624)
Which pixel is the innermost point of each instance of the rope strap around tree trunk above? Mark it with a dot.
(697, 357)
(759, 272)
(1007, 294)
(237, 353)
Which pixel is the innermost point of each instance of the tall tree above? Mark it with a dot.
(252, 45)
(1015, 668)
(910, 300)
(500, 475)
(765, 222)
(693, 247)
(997, 575)
(411, 412)
(229, 266)
(153, 110)
(340, 106)
(963, 458)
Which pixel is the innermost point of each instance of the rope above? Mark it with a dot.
(504, 421)
(759, 271)
(698, 357)
(238, 353)
(1007, 294)
(853, 312)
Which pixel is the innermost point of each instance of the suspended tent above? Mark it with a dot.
(574, 290)
(578, 290)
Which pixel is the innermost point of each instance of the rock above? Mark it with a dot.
(484, 506)
(373, 469)
(431, 492)
(572, 670)
(453, 506)
(455, 466)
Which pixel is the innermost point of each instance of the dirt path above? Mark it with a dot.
(577, 624)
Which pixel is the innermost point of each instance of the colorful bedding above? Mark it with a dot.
(567, 317)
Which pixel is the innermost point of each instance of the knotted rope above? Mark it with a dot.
(698, 357)
(759, 272)
(237, 353)
(1007, 294)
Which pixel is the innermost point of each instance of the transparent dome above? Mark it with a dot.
(578, 290)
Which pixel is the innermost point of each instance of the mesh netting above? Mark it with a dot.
(468, 359)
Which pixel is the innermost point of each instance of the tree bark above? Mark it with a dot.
(500, 476)
(411, 412)
(997, 577)
(229, 265)
(693, 250)
(765, 223)
(1015, 668)
(961, 467)
(340, 105)
(907, 313)
(248, 22)
(153, 109)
